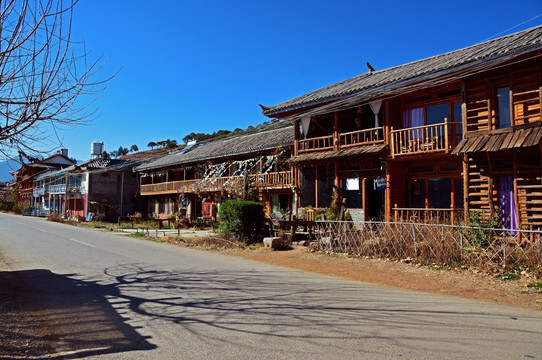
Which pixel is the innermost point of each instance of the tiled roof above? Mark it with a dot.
(512, 138)
(245, 144)
(371, 85)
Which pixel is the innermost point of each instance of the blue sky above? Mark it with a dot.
(202, 66)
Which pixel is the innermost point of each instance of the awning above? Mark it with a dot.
(331, 154)
(506, 140)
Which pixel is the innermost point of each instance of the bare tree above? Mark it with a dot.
(43, 76)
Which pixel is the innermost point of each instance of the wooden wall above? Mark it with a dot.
(525, 84)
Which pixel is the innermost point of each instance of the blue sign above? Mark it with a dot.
(380, 183)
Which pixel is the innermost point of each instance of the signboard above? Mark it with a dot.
(380, 183)
(358, 215)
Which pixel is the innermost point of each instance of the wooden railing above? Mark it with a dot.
(166, 187)
(429, 216)
(316, 144)
(39, 191)
(425, 139)
(362, 137)
(57, 189)
(275, 180)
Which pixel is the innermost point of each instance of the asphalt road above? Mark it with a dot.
(123, 298)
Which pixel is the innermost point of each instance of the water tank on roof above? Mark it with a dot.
(64, 152)
(96, 148)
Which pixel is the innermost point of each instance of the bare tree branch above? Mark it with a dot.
(43, 76)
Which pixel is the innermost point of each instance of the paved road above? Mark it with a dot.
(122, 298)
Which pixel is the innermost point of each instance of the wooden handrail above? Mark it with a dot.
(428, 215)
(269, 180)
(315, 144)
(425, 139)
(273, 180)
(362, 137)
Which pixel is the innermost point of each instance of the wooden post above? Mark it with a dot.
(364, 198)
(336, 131)
(387, 196)
(452, 200)
(490, 183)
(465, 187)
(316, 186)
(296, 137)
(446, 140)
(392, 142)
(516, 197)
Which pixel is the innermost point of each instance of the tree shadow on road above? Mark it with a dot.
(58, 316)
(275, 313)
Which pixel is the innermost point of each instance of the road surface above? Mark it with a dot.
(117, 297)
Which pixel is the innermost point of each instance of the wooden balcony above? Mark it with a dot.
(38, 191)
(428, 216)
(276, 180)
(435, 138)
(349, 139)
(362, 137)
(170, 187)
(57, 189)
(315, 144)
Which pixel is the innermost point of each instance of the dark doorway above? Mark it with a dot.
(375, 209)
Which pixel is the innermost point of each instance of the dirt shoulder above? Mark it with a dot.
(457, 282)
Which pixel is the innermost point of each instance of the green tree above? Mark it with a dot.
(152, 144)
(134, 148)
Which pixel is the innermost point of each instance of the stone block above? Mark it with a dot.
(272, 242)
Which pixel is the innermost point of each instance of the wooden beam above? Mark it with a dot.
(336, 131)
(387, 196)
(490, 182)
(296, 136)
(466, 186)
(364, 198)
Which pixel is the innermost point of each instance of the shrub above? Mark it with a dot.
(241, 219)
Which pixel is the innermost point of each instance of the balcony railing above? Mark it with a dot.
(354, 138)
(316, 144)
(166, 187)
(39, 191)
(425, 139)
(428, 216)
(57, 189)
(362, 137)
(275, 180)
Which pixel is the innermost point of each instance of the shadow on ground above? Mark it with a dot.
(43, 313)
(278, 313)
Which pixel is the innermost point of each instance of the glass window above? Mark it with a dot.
(503, 108)
(437, 113)
(457, 112)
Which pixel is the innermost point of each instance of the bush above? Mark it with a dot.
(241, 219)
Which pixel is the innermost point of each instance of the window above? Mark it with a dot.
(502, 117)
(437, 113)
(431, 115)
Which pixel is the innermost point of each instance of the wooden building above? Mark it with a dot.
(451, 133)
(24, 176)
(201, 176)
(105, 188)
